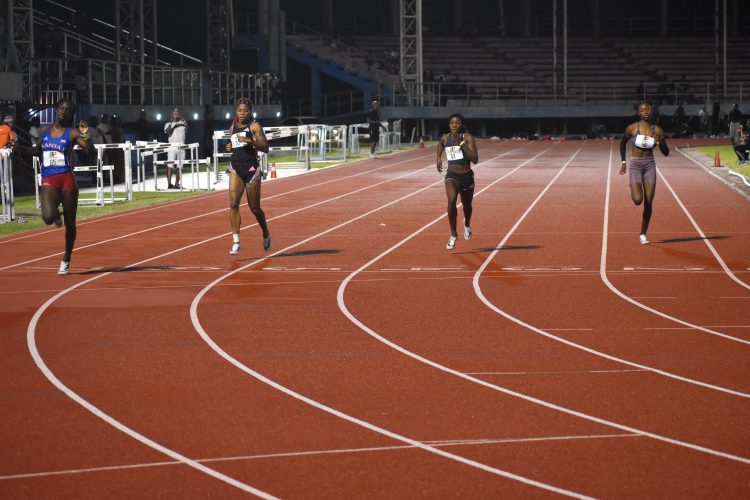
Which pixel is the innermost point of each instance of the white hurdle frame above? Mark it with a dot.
(6, 186)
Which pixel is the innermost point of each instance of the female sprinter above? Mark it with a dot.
(55, 146)
(245, 172)
(461, 151)
(642, 164)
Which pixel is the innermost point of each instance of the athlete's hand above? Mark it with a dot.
(623, 168)
(440, 166)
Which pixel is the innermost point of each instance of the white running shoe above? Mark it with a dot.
(64, 267)
(644, 240)
(467, 233)
(235, 248)
(451, 243)
(372, 155)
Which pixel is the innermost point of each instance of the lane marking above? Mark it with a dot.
(569, 372)
(702, 234)
(31, 342)
(285, 193)
(498, 388)
(337, 413)
(616, 291)
(315, 453)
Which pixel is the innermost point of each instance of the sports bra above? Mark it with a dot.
(643, 141)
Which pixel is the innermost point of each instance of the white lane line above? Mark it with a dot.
(702, 234)
(616, 291)
(367, 425)
(572, 372)
(181, 221)
(316, 453)
(31, 341)
(688, 328)
(498, 388)
(589, 350)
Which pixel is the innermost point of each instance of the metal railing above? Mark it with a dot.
(109, 82)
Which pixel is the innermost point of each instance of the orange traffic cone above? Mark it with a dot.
(717, 160)
(421, 142)
(273, 170)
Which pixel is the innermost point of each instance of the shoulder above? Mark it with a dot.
(630, 129)
(468, 136)
(256, 128)
(658, 130)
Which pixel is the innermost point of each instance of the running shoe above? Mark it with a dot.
(644, 240)
(235, 248)
(372, 155)
(451, 243)
(467, 233)
(58, 220)
(267, 243)
(64, 267)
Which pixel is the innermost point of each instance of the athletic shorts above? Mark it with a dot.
(465, 181)
(642, 170)
(62, 182)
(374, 134)
(247, 171)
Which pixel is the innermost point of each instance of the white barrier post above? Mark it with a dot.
(6, 186)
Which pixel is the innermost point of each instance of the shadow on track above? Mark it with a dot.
(692, 238)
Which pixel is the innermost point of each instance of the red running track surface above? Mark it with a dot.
(550, 354)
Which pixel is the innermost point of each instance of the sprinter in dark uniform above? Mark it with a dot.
(245, 172)
(55, 147)
(644, 137)
(461, 151)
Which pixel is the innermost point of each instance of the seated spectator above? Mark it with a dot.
(741, 144)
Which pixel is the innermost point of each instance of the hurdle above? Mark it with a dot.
(99, 199)
(6, 186)
(302, 148)
(388, 141)
(191, 159)
(335, 142)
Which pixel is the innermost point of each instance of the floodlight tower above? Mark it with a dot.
(411, 50)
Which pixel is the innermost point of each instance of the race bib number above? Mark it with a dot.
(454, 153)
(236, 140)
(53, 159)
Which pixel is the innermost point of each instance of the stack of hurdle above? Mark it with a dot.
(190, 159)
(6, 186)
(301, 150)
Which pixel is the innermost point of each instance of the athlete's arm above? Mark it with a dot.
(34, 149)
(440, 149)
(623, 149)
(470, 148)
(259, 138)
(661, 141)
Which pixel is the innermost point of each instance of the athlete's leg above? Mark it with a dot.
(648, 190)
(467, 198)
(70, 210)
(451, 190)
(636, 192)
(253, 199)
(236, 188)
(50, 198)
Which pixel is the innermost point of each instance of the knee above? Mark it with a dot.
(48, 218)
(256, 210)
(637, 200)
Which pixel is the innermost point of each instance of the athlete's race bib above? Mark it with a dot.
(454, 153)
(236, 140)
(53, 159)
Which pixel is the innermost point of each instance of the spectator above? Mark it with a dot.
(117, 155)
(141, 127)
(95, 137)
(6, 132)
(34, 130)
(105, 128)
(715, 119)
(741, 144)
(703, 119)
(208, 130)
(176, 130)
(373, 118)
(735, 120)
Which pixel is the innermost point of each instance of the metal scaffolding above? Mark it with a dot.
(219, 29)
(19, 26)
(411, 50)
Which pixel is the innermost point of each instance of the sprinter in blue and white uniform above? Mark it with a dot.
(644, 138)
(461, 151)
(55, 147)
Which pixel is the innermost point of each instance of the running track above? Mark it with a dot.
(550, 355)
